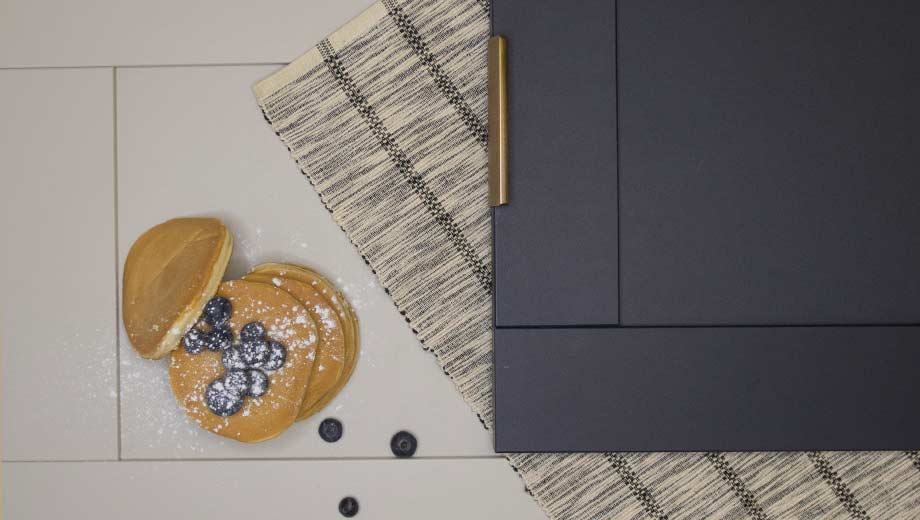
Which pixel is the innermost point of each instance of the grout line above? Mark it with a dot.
(177, 65)
(68, 461)
(325, 459)
(148, 66)
(58, 67)
(263, 459)
(117, 281)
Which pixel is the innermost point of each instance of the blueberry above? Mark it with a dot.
(232, 359)
(237, 381)
(348, 507)
(403, 444)
(258, 383)
(254, 353)
(253, 331)
(330, 430)
(221, 400)
(276, 357)
(194, 341)
(217, 311)
(220, 338)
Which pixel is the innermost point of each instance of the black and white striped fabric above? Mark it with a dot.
(387, 120)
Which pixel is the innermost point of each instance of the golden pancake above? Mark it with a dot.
(259, 418)
(171, 271)
(330, 353)
(339, 303)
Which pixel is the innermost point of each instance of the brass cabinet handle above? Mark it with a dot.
(498, 121)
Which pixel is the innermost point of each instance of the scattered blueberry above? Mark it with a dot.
(330, 430)
(252, 331)
(220, 338)
(194, 341)
(403, 444)
(276, 356)
(221, 400)
(258, 383)
(348, 506)
(254, 353)
(217, 311)
(237, 381)
(232, 359)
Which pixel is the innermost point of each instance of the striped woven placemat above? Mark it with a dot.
(386, 118)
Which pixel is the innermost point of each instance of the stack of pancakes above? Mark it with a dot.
(176, 267)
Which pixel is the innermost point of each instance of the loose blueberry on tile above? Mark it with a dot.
(276, 356)
(220, 338)
(237, 381)
(348, 507)
(330, 430)
(403, 444)
(258, 383)
(221, 400)
(232, 359)
(217, 311)
(254, 353)
(194, 341)
(252, 331)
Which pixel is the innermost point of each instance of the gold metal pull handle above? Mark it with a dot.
(498, 121)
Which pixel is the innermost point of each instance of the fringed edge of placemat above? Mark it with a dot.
(341, 37)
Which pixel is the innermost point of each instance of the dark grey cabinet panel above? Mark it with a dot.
(696, 389)
(713, 236)
(769, 159)
(556, 257)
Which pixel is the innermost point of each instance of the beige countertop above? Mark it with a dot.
(118, 116)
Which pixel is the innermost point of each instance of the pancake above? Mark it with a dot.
(171, 271)
(260, 418)
(343, 309)
(330, 353)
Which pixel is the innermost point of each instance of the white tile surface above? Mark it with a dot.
(385, 489)
(43, 33)
(58, 265)
(193, 142)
